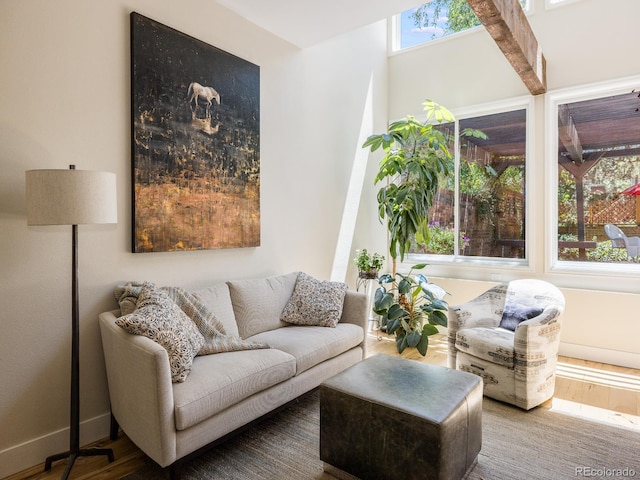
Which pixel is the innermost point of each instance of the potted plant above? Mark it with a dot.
(416, 158)
(411, 308)
(368, 263)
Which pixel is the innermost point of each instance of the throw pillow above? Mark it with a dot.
(512, 315)
(157, 317)
(315, 302)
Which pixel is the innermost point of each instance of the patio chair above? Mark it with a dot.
(620, 240)
(510, 337)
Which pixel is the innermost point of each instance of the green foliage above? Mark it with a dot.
(604, 251)
(442, 238)
(368, 261)
(416, 158)
(460, 16)
(411, 308)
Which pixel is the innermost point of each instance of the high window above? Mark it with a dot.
(433, 20)
(597, 159)
(480, 214)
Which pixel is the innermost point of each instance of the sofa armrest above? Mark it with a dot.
(140, 389)
(354, 310)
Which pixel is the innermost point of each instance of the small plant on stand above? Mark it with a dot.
(368, 263)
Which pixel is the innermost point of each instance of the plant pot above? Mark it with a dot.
(368, 274)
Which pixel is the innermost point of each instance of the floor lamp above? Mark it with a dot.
(72, 197)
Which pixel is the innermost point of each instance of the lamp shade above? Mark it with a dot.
(70, 197)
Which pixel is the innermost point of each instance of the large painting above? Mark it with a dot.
(196, 143)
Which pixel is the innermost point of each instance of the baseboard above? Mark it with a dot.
(602, 355)
(33, 452)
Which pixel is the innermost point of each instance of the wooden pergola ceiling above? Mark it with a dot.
(602, 127)
(507, 24)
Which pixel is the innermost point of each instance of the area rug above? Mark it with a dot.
(537, 445)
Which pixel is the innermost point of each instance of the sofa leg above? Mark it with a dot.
(113, 428)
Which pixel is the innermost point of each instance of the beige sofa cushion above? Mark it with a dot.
(217, 299)
(312, 345)
(258, 303)
(218, 381)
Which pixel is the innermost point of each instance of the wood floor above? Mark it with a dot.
(601, 392)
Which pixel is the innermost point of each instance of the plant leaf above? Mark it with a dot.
(438, 318)
(401, 343)
(423, 344)
(396, 311)
(413, 338)
(429, 329)
(392, 325)
(404, 286)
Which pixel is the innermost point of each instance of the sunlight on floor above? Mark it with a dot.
(598, 376)
(624, 385)
(596, 414)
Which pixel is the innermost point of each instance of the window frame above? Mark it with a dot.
(395, 31)
(552, 101)
(461, 263)
(549, 5)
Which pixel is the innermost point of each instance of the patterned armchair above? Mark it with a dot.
(509, 336)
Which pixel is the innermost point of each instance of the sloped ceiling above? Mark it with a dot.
(307, 22)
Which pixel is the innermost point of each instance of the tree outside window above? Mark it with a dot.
(437, 19)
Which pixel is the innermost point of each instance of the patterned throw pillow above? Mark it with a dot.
(314, 302)
(157, 317)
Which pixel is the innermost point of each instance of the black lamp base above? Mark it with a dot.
(89, 452)
(74, 431)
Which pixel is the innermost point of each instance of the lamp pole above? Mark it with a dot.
(74, 428)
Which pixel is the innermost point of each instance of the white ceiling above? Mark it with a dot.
(307, 22)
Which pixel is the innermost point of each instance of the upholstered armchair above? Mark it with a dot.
(509, 336)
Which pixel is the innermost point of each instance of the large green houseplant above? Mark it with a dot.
(416, 158)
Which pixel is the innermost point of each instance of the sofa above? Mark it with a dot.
(274, 344)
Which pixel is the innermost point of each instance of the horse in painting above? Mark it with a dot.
(198, 93)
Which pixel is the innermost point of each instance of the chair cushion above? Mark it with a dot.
(218, 381)
(512, 315)
(312, 345)
(492, 344)
(314, 302)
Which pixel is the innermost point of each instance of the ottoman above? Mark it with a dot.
(391, 418)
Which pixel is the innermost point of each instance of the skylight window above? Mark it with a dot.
(434, 20)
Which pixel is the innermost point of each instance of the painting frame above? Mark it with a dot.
(195, 143)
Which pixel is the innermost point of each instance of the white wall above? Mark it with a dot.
(584, 42)
(65, 98)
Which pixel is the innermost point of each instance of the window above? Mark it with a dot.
(558, 3)
(433, 20)
(481, 213)
(597, 159)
